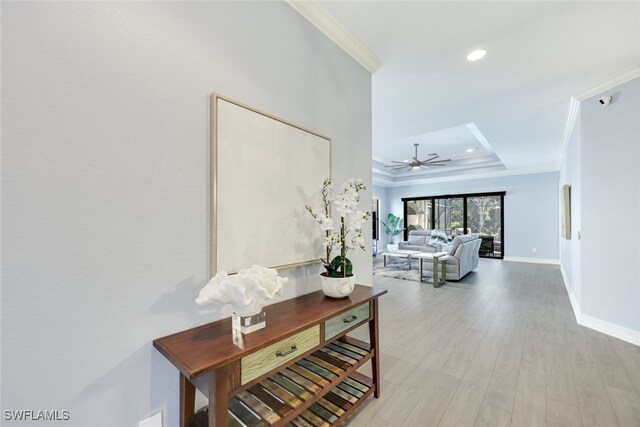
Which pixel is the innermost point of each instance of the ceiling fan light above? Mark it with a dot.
(415, 168)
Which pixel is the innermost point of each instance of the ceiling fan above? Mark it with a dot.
(416, 164)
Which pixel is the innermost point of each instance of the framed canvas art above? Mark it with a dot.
(264, 170)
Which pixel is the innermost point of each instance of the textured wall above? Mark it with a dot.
(610, 289)
(105, 171)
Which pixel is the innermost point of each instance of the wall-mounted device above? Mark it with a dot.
(605, 100)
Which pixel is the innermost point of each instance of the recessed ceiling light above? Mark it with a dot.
(470, 150)
(476, 54)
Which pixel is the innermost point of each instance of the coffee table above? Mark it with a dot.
(433, 257)
(401, 253)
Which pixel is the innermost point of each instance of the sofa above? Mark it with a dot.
(462, 257)
(420, 240)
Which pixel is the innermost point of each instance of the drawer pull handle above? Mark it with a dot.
(350, 318)
(284, 353)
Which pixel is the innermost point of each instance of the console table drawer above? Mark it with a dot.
(346, 320)
(269, 358)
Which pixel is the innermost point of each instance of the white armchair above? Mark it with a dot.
(462, 257)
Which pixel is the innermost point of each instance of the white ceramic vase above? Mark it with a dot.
(337, 287)
(392, 247)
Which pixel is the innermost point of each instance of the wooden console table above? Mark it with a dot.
(300, 369)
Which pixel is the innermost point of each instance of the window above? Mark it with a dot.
(460, 214)
(418, 215)
(484, 216)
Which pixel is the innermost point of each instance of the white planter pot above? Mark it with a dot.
(337, 287)
(392, 247)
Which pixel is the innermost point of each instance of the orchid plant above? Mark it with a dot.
(349, 234)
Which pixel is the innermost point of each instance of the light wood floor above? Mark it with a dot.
(501, 347)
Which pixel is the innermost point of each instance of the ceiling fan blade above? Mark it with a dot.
(436, 164)
(429, 159)
(397, 168)
(438, 161)
(396, 161)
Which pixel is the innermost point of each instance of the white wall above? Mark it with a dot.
(105, 171)
(530, 207)
(610, 289)
(570, 257)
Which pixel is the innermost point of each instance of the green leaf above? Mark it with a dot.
(393, 226)
(338, 263)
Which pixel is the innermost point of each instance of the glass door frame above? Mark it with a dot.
(464, 212)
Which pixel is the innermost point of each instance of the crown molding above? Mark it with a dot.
(383, 172)
(610, 83)
(574, 102)
(574, 108)
(330, 27)
(382, 182)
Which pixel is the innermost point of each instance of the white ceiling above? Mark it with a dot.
(464, 145)
(539, 55)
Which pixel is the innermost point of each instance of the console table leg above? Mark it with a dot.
(218, 398)
(375, 344)
(187, 401)
(221, 382)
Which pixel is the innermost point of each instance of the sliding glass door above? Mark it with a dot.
(484, 216)
(418, 215)
(460, 214)
(449, 215)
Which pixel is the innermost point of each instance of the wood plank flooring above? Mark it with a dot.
(499, 348)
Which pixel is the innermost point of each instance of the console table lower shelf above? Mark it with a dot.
(319, 390)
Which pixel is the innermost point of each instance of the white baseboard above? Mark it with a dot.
(533, 260)
(616, 331)
(572, 297)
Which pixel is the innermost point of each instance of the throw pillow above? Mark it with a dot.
(438, 236)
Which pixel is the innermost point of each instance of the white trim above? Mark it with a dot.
(481, 139)
(574, 108)
(495, 174)
(330, 27)
(380, 160)
(574, 101)
(532, 260)
(572, 297)
(382, 172)
(617, 331)
(610, 83)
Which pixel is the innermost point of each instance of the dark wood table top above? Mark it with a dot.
(204, 348)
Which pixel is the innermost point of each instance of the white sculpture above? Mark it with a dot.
(248, 291)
